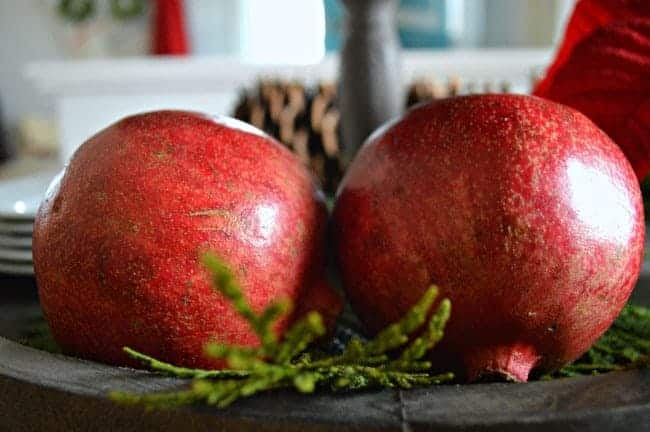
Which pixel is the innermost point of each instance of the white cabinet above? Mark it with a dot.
(91, 94)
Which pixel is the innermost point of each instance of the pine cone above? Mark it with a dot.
(307, 122)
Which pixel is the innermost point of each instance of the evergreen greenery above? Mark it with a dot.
(625, 345)
(645, 190)
(78, 11)
(276, 364)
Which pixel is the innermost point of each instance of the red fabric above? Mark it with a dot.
(603, 70)
(169, 34)
(587, 16)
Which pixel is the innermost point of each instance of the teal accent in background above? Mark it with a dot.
(421, 35)
(411, 34)
(333, 24)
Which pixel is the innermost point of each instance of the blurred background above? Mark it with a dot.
(61, 58)
(69, 68)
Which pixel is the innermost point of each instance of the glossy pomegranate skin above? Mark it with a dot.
(526, 215)
(118, 238)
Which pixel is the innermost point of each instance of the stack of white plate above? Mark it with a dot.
(19, 201)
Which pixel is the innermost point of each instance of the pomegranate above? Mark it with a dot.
(527, 216)
(118, 238)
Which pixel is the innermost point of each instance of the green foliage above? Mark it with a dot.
(625, 345)
(76, 10)
(280, 364)
(645, 189)
(39, 336)
(127, 9)
(79, 11)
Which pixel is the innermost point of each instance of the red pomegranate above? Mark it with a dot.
(118, 238)
(526, 215)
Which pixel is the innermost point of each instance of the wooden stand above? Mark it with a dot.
(43, 391)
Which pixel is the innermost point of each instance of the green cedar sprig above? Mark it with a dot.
(626, 345)
(281, 364)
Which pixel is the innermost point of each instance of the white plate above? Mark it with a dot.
(16, 269)
(16, 255)
(16, 227)
(21, 196)
(15, 241)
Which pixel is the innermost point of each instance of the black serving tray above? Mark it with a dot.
(43, 391)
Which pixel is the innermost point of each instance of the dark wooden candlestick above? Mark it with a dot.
(370, 83)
